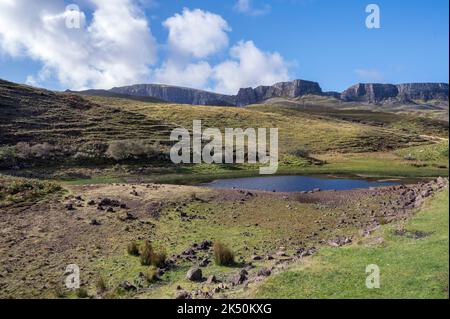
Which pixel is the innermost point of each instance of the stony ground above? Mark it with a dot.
(92, 225)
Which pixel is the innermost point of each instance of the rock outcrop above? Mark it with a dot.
(291, 89)
(372, 93)
(369, 92)
(177, 94)
(423, 91)
(407, 92)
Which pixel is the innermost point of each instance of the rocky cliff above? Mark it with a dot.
(407, 92)
(291, 89)
(177, 94)
(372, 93)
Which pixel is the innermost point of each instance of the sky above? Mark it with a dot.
(222, 45)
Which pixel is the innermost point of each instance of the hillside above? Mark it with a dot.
(40, 128)
(374, 94)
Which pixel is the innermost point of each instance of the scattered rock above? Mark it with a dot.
(240, 277)
(264, 272)
(212, 280)
(204, 262)
(127, 286)
(95, 222)
(183, 295)
(194, 274)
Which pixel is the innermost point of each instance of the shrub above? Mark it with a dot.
(100, 284)
(158, 259)
(146, 254)
(133, 249)
(43, 150)
(59, 292)
(223, 256)
(8, 157)
(82, 293)
(151, 275)
(151, 257)
(127, 149)
(301, 152)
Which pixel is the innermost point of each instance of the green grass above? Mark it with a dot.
(21, 190)
(436, 153)
(408, 268)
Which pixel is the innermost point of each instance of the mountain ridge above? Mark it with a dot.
(370, 93)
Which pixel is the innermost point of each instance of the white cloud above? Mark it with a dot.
(250, 67)
(115, 49)
(198, 33)
(369, 74)
(246, 6)
(195, 75)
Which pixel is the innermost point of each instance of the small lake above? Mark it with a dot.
(291, 183)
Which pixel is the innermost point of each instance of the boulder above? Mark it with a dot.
(194, 274)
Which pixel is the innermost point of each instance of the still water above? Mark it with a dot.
(296, 183)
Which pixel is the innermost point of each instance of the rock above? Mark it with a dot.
(340, 241)
(110, 210)
(211, 280)
(204, 245)
(189, 252)
(183, 295)
(204, 262)
(69, 207)
(240, 277)
(256, 257)
(194, 274)
(109, 202)
(95, 222)
(264, 272)
(140, 281)
(91, 202)
(282, 254)
(127, 286)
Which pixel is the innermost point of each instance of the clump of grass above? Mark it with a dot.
(82, 293)
(146, 254)
(101, 285)
(151, 275)
(158, 258)
(223, 256)
(149, 256)
(133, 249)
(59, 292)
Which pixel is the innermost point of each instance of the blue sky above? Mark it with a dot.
(320, 40)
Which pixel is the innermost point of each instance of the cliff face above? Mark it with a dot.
(177, 94)
(363, 92)
(283, 89)
(423, 91)
(378, 93)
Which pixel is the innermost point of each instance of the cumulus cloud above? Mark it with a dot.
(197, 32)
(369, 74)
(249, 67)
(246, 6)
(116, 48)
(195, 75)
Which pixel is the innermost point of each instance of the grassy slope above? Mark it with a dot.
(409, 268)
(296, 130)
